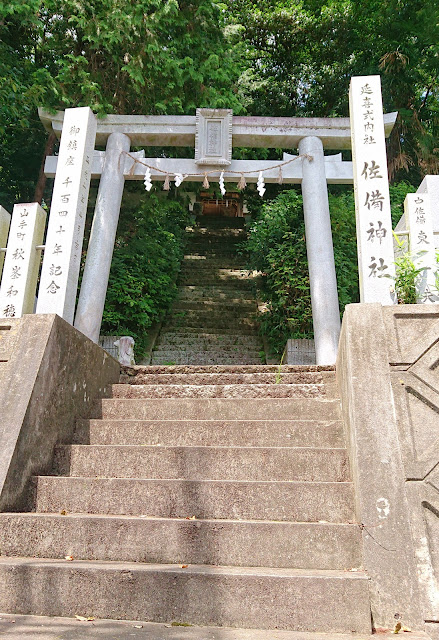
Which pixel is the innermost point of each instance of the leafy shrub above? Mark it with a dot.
(146, 261)
(277, 247)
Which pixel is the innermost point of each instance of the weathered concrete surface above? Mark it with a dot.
(53, 376)
(255, 433)
(377, 466)
(246, 369)
(8, 334)
(208, 463)
(297, 501)
(219, 391)
(297, 545)
(273, 377)
(217, 408)
(412, 333)
(44, 628)
(245, 597)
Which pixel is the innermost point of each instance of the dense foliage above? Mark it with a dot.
(277, 247)
(139, 56)
(278, 58)
(144, 269)
(300, 56)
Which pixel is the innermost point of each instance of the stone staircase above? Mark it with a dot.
(213, 320)
(204, 495)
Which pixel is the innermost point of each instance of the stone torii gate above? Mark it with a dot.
(213, 133)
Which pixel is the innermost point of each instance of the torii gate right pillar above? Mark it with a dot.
(320, 251)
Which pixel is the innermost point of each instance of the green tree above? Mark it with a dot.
(301, 54)
(136, 57)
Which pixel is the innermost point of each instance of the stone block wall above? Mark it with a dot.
(50, 375)
(388, 373)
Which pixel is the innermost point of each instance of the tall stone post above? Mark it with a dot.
(320, 251)
(103, 233)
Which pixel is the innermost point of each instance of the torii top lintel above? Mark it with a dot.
(247, 131)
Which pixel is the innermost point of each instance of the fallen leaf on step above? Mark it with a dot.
(191, 518)
(63, 512)
(85, 619)
(69, 558)
(184, 566)
(138, 626)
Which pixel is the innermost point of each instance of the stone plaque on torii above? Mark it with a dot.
(213, 133)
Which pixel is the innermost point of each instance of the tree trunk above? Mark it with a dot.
(41, 183)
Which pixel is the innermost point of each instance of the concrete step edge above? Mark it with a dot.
(194, 569)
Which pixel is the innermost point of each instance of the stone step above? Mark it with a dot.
(222, 247)
(215, 293)
(237, 331)
(212, 250)
(218, 271)
(210, 353)
(210, 542)
(197, 261)
(330, 601)
(23, 627)
(203, 463)
(208, 321)
(207, 340)
(210, 222)
(205, 499)
(206, 348)
(324, 377)
(253, 390)
(216, 314)
(198, 279)
(187, 358)
(217, 306)
(206, 232)
(216, 408)
(261, 368)
(233, 433)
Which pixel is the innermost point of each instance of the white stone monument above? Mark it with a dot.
(5, 221)
(371, 185)
(22, 262)
(62, 255)
(419, 223)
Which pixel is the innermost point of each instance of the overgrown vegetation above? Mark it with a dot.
(146, 261)
(277, 248)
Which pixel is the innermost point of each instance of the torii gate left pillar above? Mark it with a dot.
(94, 285)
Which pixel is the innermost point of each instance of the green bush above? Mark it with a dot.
(277, 247)
(146, 262)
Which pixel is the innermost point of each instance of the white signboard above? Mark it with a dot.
(22, 263)
(5, 221)
(371, 183)
(419, 223)
(62, 255)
